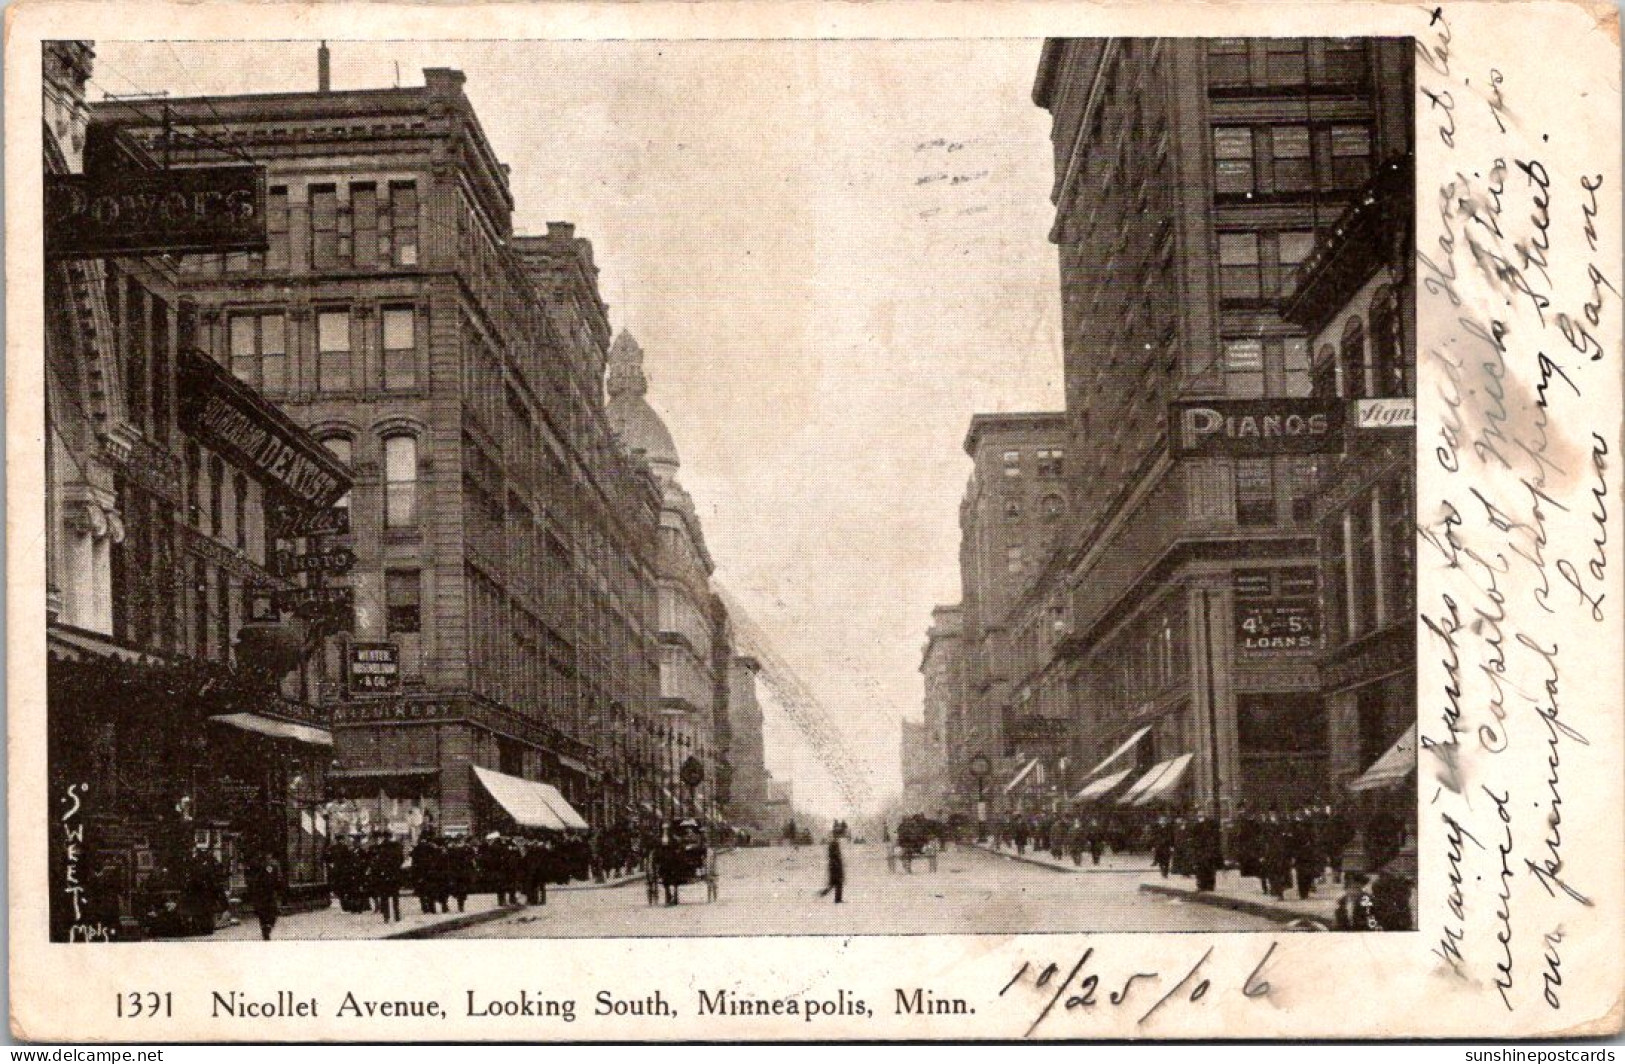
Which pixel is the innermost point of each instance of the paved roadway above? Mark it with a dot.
(775, 892)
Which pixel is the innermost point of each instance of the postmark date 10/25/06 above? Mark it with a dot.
(145, 1004)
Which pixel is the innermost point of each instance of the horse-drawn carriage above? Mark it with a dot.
(918, 838)
(683, 856)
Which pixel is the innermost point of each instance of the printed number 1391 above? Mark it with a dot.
(136, 1004)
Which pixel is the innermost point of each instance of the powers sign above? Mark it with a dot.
(155, 212)
(1256, 428)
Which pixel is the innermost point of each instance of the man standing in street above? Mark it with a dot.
(388, 857)
(265, 889)
(837, 869)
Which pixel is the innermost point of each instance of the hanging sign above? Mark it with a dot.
(155, 212)
(1256, 428)
(374, 668)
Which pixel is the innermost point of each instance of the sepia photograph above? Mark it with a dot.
(920, 497)
(380, 604)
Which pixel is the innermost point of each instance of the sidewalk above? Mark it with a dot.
(1245, 895)
(1119, 863)
(334, 924)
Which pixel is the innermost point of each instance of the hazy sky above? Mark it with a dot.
(833, 254)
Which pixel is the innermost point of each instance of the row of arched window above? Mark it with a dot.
(1369, 360)
(400, 451)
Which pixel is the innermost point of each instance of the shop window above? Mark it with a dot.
(1351, 155)
(1232, 160)
(333, 351)
(1293, 168)
(1244, 368)
(1281, 724)
(1255, 492)
(400, 481)
(403, 600)
(400, 348)
(1239, 266)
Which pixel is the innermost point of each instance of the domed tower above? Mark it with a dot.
(640, 429)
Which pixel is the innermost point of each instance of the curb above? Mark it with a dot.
(1240, 905)
(1085, 870)
(456, 923)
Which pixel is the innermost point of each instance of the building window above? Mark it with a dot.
(403, 220)
(1284, 61)
(217, 509)
(1050, 463)
(1400, 561)
(1334, 588)
(239, 491)
(1292, 248)
(402, 600)
(364, 224)
(1232, 160)
(1351, 155)
(1345, 61)
(324, 226)
(1012, 509)
(1012, 463)
(1054, 507)
(400, 348)
(1351, 355)
(1293, 169)
(1295, 363)
(400, 481)
(1238, 266)
(333, 351)
(343, 449)
(1255, 492)
(1227, 62)
(276, 228)
(1244, 368)
(1363, 563)
(259, 350)
(1013, 559)
(1326, 385)
(1302, 474)
(1390, 362)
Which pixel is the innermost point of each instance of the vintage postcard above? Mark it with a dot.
(748, 521)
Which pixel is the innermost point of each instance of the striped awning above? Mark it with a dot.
(1392, 767)
(1164, 784)
(524, 800)
(1100, 787)
(1026, 771)
(276, 729)
(1128, 744)
(1145, 782)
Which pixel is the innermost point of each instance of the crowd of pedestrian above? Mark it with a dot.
(1286, 851)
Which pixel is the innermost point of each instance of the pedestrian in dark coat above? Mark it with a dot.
(837, 870)
(1355, 911)
(1307, 855)
(426, 872)
(265, 889)
(1276, 855)
(538, 870)
(460, 871)
(1162, 845)
(388, 858)
(1207, 852)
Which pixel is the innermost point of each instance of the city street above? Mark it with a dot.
(775, 892)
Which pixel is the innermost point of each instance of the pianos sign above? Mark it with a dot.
(1256, 428)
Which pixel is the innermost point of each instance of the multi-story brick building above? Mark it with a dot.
(693, 666)
(503, 542)
(1014, 508)
(182, 741)
(1192, 178)
(942, 665)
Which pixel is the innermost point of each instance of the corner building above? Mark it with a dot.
(1192, 181)
(503, 541)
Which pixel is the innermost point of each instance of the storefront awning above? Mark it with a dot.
(379, 773)
(1023, 774)
(524, 800)
(561, 807)
(1165, 783)
(1145, 782)
(277, 729)
(576, 766)
(1100, 787)
(1391, 768)
(77, 645)
(1128, 744)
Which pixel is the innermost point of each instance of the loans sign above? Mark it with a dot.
(231, 419)
(155, 212)
(1256, 428)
